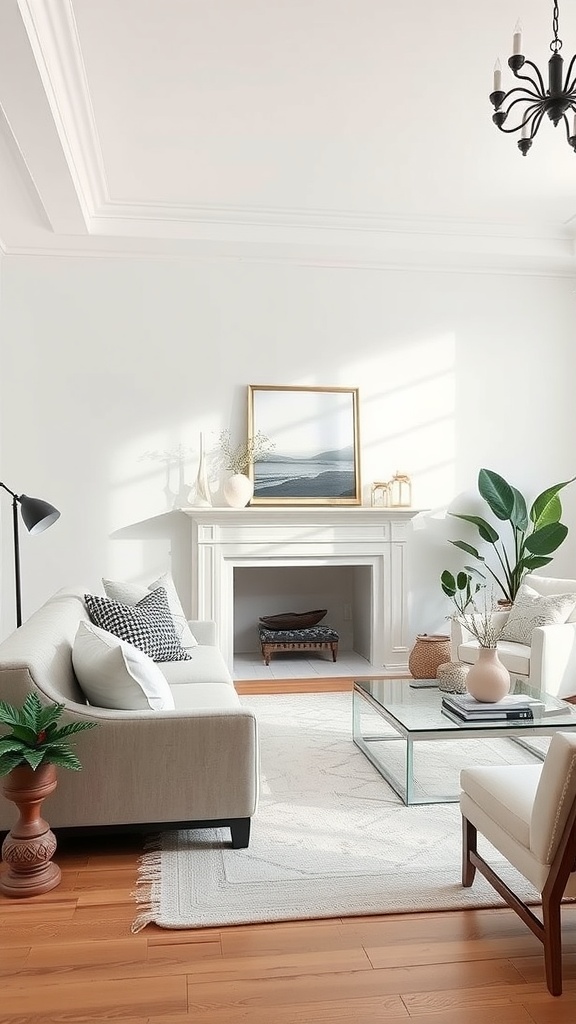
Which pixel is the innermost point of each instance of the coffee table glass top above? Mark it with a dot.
(417, 710)
(394, 724)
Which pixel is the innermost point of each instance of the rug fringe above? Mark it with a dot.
(147, 883)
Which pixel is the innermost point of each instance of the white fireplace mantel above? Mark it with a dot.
(225, 539)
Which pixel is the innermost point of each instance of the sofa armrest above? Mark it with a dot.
(204, 630)
(553, 659)
(156, 766)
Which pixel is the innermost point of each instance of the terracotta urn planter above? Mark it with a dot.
(28, 848)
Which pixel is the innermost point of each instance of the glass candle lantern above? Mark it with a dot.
(380, 494)
(400, 491)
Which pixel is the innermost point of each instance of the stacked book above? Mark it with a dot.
(464, 708)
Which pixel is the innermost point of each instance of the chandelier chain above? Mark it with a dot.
(556, 43)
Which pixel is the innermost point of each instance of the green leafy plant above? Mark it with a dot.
(462, 589)
(535, 533)
(35, 738)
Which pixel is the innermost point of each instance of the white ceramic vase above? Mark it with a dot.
(488, 679)
(238, 489)
(201, 495)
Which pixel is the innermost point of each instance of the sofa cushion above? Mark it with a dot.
(148, 624)
(114, 674)
(196, 696)
(131, 593)
(531, 609)
(206, 665)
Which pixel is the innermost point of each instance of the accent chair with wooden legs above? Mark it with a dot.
(528, 813)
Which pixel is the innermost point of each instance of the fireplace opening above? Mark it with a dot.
(344, 590)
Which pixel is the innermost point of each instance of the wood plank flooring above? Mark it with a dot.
(69, 957)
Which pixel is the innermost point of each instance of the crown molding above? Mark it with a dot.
(51, 29)
(411, 262)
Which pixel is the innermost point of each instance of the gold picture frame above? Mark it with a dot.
(316, 445)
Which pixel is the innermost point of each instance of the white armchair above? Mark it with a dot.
(549, 663)
(528, 814)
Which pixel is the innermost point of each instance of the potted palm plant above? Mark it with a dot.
(534, 534)
(30, 753)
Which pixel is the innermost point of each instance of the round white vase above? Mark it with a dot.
(237, 490)
(488, 679)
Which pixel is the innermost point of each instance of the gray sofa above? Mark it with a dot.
(196, 766)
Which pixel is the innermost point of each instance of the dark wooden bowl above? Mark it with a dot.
(294, 620)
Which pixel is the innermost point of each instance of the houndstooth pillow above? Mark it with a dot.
(147, 625)
(531, 609)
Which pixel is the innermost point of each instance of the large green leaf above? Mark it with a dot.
(534, 562)
(547, 507)
(25, 733)
(486, 531)
(448, 583)
(49, 716)
(475, 573)
(63, 757)
(546, 540)
(7, 745)
(519, 516)
(467, 548)
(8, 762)
(33, 757)
(8, 714)
(73, 727)
(497, 493)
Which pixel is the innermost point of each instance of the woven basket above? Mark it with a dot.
(428, 653)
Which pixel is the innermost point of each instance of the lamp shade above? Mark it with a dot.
(38, 515)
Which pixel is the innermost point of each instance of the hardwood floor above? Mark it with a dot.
(69, 957)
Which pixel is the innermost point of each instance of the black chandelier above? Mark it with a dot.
(532, 103)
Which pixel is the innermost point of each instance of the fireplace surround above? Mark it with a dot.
(226, 539)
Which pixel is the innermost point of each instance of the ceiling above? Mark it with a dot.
(336, 131)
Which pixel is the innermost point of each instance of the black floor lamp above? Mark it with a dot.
(38, 515)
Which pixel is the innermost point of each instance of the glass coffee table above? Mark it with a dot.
(389, 716)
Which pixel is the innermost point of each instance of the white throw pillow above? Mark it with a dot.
(531, 609)
(131, 593)
(114, 674)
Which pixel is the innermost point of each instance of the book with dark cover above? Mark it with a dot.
(496, 715)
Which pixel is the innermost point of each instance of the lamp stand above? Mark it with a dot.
(17, 561)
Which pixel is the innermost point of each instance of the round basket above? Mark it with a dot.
(428, 653)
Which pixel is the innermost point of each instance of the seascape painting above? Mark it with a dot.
(314, 433)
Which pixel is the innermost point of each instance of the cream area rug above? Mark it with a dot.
(330, 837)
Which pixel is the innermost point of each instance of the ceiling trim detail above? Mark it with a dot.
(53, 35)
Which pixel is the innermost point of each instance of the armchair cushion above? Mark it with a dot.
(531, 610)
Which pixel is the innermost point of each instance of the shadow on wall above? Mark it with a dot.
(173, 527)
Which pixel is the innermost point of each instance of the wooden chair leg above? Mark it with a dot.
(552, 941)
(469, 845)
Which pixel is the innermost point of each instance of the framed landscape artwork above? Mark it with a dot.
(315, 454)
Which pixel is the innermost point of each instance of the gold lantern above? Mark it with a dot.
(380, 494)
(400, 491)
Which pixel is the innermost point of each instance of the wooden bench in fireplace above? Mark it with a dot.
(294, 631)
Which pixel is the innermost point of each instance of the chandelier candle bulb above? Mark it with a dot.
(517, 39)
(497, 76)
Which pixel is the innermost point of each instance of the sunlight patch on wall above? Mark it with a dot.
(407, 409)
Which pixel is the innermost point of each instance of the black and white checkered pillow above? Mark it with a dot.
(148, 625)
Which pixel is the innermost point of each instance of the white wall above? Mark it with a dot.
(105, 361)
